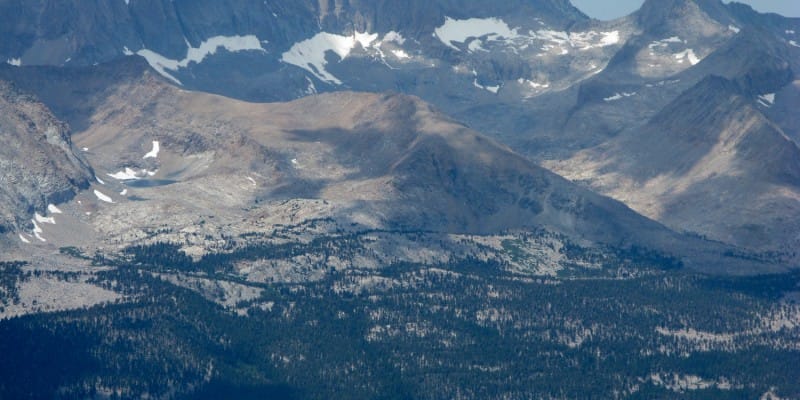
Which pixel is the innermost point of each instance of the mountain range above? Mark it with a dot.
(399, 157)
(583, 97)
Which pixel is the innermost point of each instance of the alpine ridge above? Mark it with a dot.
(398, 199)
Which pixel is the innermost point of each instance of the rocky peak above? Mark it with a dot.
(697, 17)
(753, 59)
(38, 164)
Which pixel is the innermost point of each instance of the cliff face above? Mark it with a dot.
(38, 165)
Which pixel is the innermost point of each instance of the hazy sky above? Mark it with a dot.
(610, 9)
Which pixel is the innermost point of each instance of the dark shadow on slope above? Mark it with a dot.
(74, 93)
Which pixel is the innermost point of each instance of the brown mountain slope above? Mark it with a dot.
(710, 162)
(225, 168)
(390, 154)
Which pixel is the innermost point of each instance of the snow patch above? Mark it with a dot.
(609, 38)
(100, 181)
(793, 43)
(37, 231)
(129, 174)
(14, 61)
(401, 54)
(85, 149)
(492, 89)
(476, 45)
(44, 220)
(537, 85)
(476, 33)
(734, 29)
(310, 53)
(577, 40)
(123, 192)
(53, 209)
(458, 31)
(687, 54)
(619, 96)
(789, 32)
(395, 37)
(23, 239)
(767, 100)
(154, 152)
(103, 197)
(664, 42)
(196, 55)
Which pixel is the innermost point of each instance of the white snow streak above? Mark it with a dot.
(37, 231)
(102, 197)
(53, 209)
(23, 239)
(45, 220)
(14, 61)
(154, 152)
(618, 96)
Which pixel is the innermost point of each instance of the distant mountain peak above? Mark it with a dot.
(659, 16)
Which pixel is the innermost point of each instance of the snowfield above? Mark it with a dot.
(459, 31)
(310, 53)
(196, 55)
